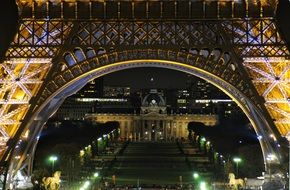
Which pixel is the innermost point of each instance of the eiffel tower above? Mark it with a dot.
(61, 45)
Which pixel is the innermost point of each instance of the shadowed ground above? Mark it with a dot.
(159, 163)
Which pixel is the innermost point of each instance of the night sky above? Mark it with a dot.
(147, 78)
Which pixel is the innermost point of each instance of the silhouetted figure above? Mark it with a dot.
(8, 24)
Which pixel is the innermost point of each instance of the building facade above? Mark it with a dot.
(153, 122)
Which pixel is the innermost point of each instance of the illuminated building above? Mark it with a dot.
(153, 122)
(116, 91)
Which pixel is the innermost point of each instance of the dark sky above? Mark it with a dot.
(147, 78)
(283, 16)
(8, 27)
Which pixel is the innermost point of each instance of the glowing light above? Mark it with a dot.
(101, 100)
(195, 175)
(87, 184)
(202, 185)
(96, 174)
(237, 160)
(271, 157)
(53, 158)
(273, 137)
(17, 157)
(82, 153)
(26, 134)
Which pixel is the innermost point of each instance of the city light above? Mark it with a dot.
(195, 175)
(273, 137)
(202, 185)
(96, 174)
(82, 153)
(52, 159)
(259, 137)
(237, 160)
(271, 157)
(87, 184)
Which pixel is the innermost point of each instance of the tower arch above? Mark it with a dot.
(73, 79)
(58, 42)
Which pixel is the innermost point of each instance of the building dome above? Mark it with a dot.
(153, 99)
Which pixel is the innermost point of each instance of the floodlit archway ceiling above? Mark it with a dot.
(49, 29)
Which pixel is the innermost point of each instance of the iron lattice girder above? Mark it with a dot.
(249, 37)
(43, 38)
(106, 32)
(22, 76)
(256, 38)
(271, 78)
(28, 62)
(146, 9)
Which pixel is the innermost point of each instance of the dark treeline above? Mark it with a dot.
(234, 139)
(226, 137)
(76, 134)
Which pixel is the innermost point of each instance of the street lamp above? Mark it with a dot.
(52, 159)
(195, 175)
(237, 160)
(202, 185)
(96, 174)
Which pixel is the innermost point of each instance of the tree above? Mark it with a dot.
(69, 160)
(253, 164)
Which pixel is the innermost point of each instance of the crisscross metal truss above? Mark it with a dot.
(271, 77)
(22, 73)
(39, 38)
(207, 44)
(265, 58)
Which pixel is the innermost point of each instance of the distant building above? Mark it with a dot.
(92, 89)
(76, 106)
(117, 91)
(199, 97)
(153, 122)
(73, 109)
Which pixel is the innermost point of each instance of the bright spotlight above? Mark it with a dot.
(202, 185)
